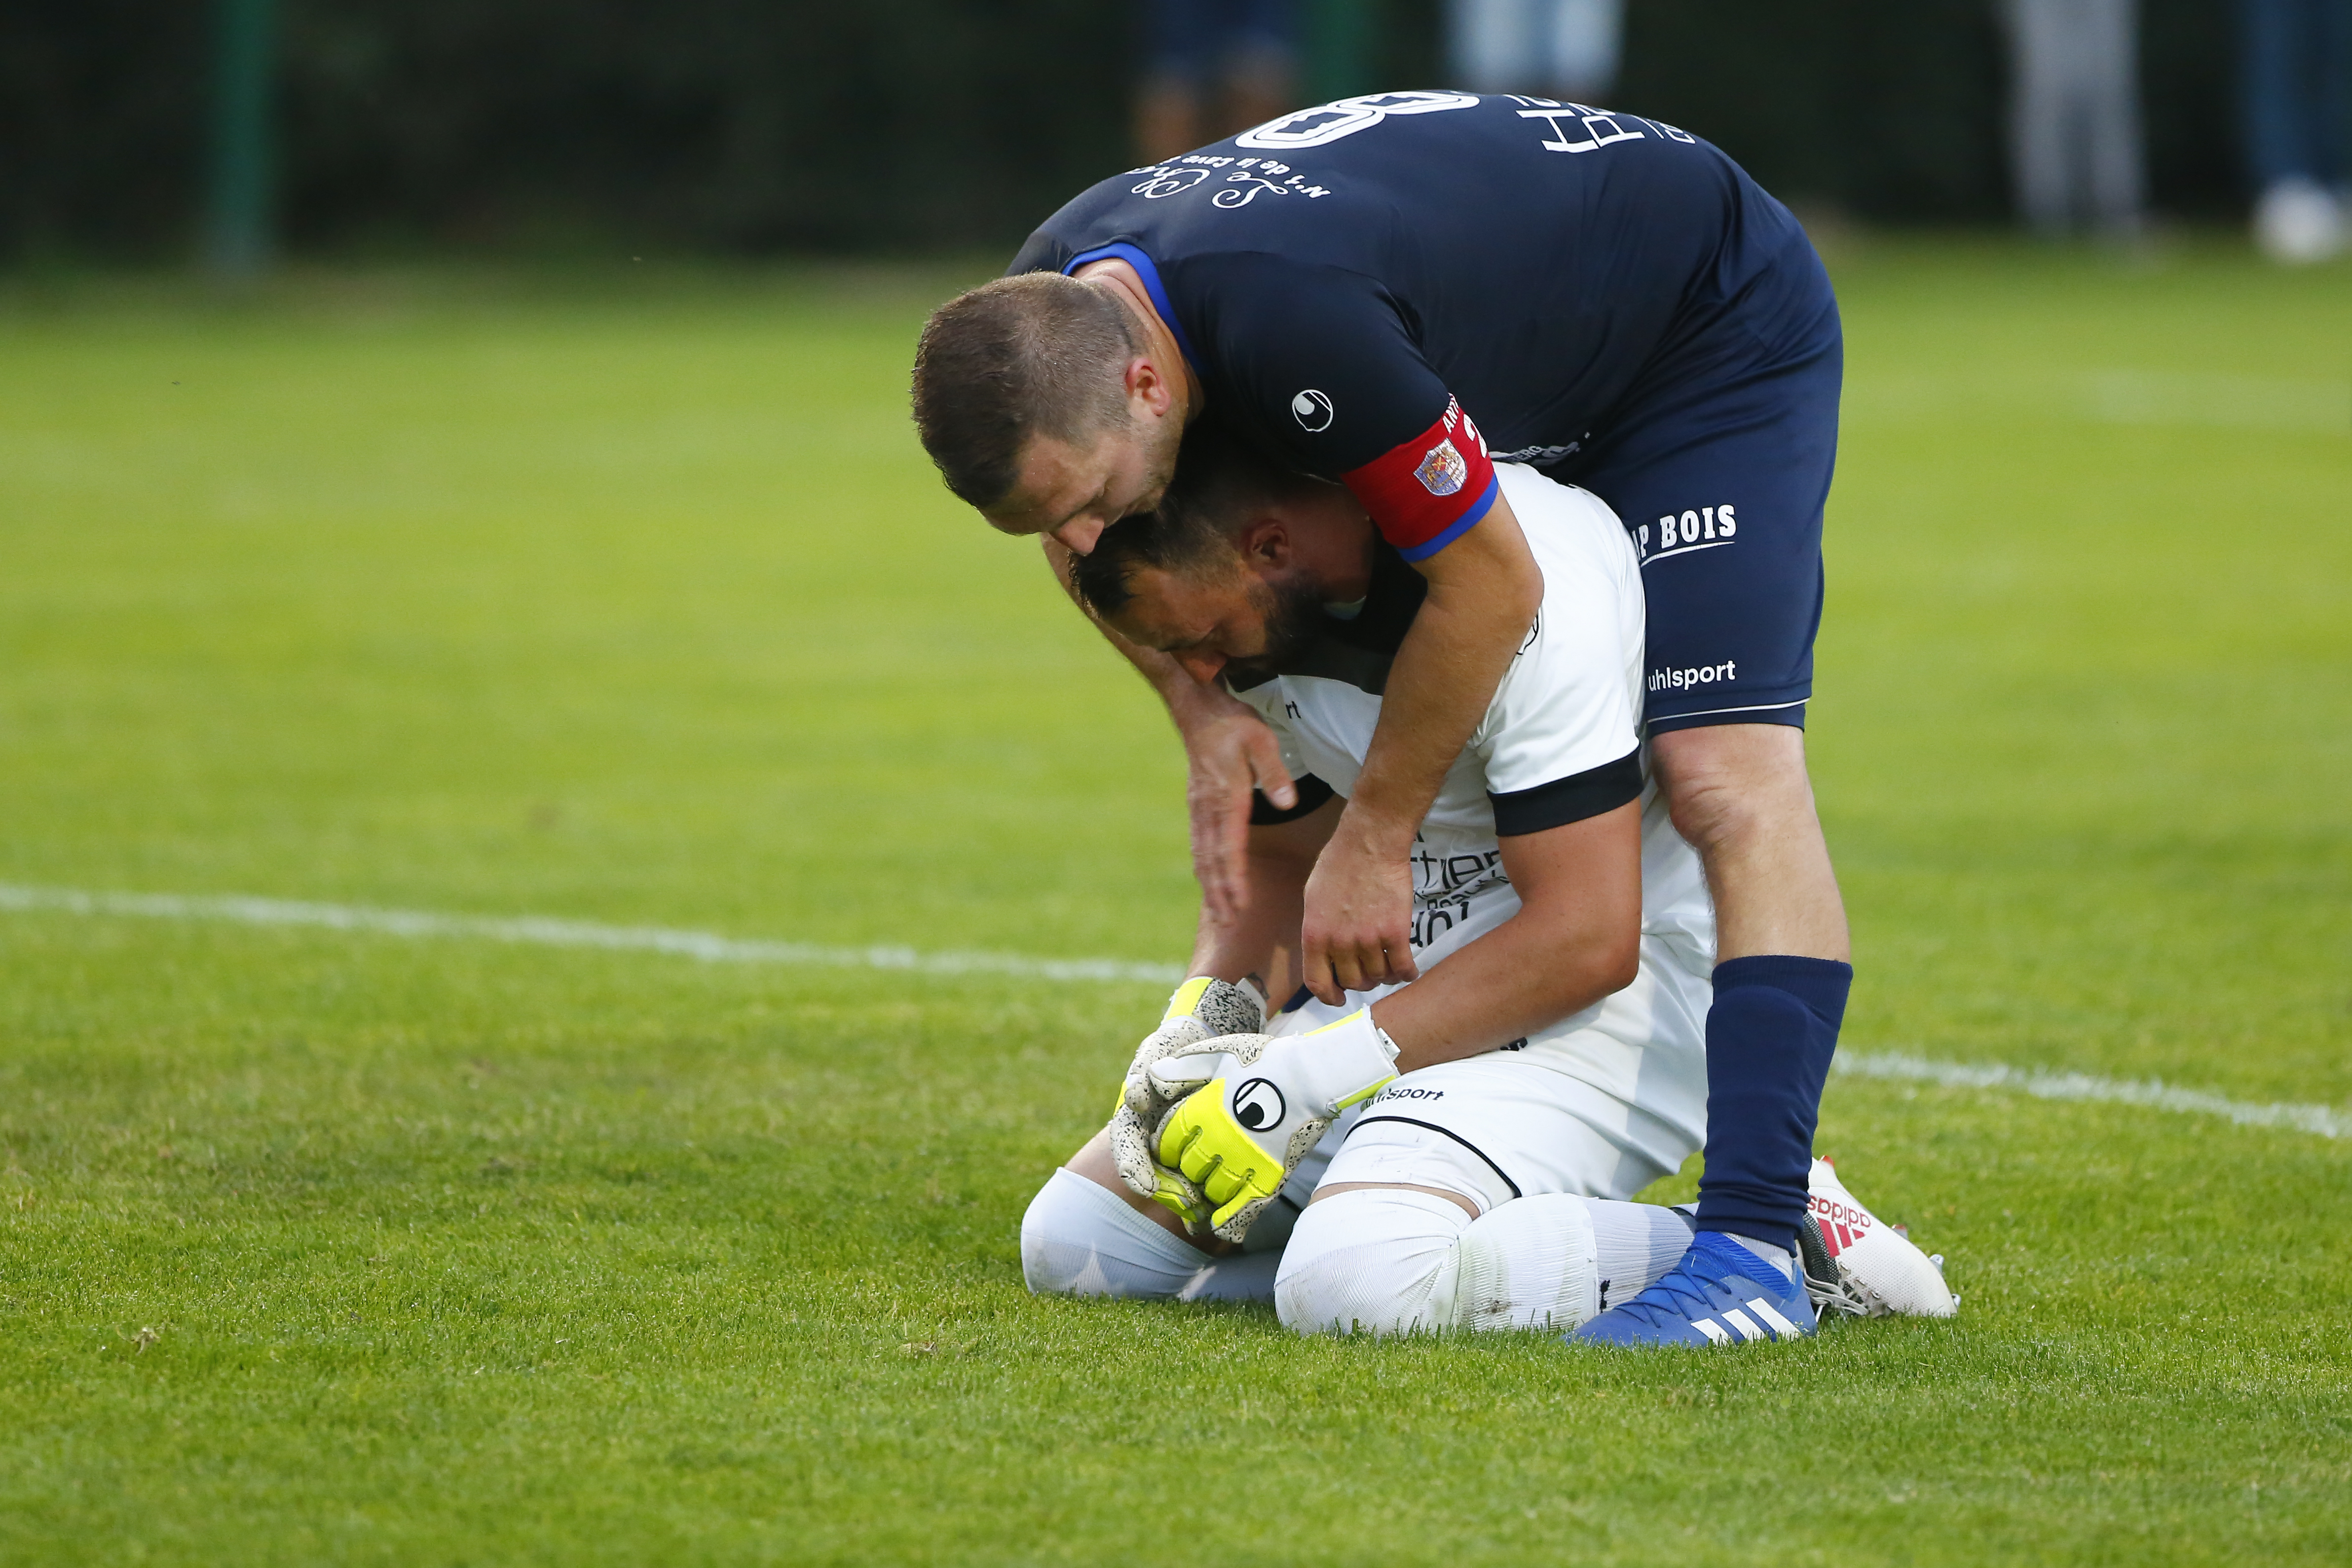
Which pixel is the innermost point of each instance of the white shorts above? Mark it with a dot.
(1599, 1105)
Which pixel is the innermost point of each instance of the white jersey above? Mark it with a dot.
(1559, 743)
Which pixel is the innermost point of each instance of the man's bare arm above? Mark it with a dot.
(1576, 939)
(1483, 591)
(1263, 940)
(1228, 752)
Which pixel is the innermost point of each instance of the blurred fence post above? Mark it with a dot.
(239, 238)
(1339, 48)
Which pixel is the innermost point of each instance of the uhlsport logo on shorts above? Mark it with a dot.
(1257, 1104)
(1683, 680)
(1312, 409)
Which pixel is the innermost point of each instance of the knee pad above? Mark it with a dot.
(1380, 1261)
(1079, 1239)
(1389, 1260)
(1532, 1263)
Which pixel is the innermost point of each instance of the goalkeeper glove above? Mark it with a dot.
(1259, 1104)
(1202, 1008)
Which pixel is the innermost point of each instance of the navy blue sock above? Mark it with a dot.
(1770, 1037)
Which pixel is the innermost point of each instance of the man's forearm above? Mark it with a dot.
(1483, 591)
(1576, 938)
(1262, 938)
(1249, 946)
(1517, 979)
(1228, 750)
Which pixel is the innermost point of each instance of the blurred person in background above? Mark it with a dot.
(1211, 68)
(2075, 127)
(1567, 48)
(2296, 60)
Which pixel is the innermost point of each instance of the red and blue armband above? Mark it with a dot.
(1428, 492)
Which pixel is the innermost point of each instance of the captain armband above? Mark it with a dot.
(1427, 493)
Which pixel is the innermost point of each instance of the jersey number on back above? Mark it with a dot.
(1327, 122)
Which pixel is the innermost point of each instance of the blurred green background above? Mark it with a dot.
(755, 126)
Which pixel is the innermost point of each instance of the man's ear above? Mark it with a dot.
(1145, 385)
(1266, 546)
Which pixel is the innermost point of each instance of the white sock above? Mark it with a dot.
(1633, 1245)
(1780, 1257)
(1080, 1238)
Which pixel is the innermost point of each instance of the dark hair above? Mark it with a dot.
(1219, 483)
(1039, 354)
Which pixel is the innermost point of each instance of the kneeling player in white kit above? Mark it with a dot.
(1488, 1121)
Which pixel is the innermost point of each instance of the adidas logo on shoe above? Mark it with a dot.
(1780, 1327)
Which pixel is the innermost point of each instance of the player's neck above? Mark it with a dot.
(1334, 546)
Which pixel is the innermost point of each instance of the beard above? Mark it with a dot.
(1293, 612)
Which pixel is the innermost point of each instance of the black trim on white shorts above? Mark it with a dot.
(1312, 793)
(1446, 1132)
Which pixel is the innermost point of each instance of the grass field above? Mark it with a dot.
(631, 600)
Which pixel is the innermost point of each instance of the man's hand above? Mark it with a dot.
(1260, 1104)
(1202, 1008)
(1131, 1150)
(1230, 752)
(1358, 932)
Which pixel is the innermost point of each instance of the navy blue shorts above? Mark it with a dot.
(1720, 472)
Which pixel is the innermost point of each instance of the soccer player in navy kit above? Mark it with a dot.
(1390, 291)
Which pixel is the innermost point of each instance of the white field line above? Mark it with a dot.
(2228, 402)
(2045, 1085)
(547, 932)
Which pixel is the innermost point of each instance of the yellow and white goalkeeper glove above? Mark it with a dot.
(1202, 1009)
(1258, 1104)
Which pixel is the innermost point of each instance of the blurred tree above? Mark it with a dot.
(760, 125)
(102, 111)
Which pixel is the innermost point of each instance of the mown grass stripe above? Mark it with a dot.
(709, 947)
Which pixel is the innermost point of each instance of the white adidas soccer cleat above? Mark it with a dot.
(1857, 1264)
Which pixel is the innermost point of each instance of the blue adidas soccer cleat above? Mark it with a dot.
(1719, 1294)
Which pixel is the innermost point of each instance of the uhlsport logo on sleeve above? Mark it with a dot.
(1312, 409)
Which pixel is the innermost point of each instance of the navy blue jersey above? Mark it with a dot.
(1385, 290)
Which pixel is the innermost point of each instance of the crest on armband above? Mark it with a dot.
(1443, 472)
